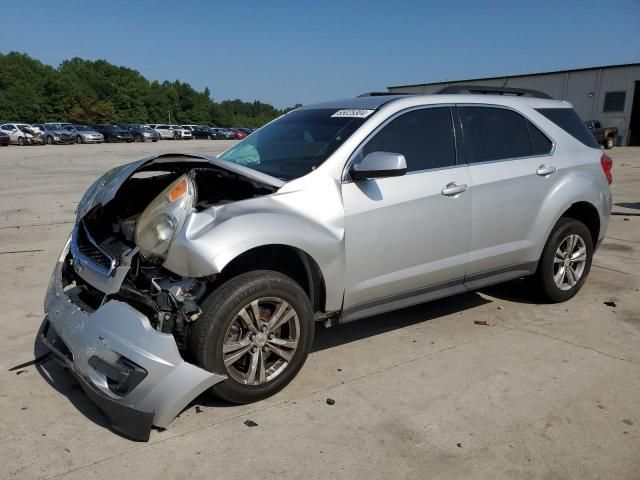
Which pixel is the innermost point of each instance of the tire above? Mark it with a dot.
(49, 141)
(609, 143)
(553, 259)
(21, 141)
(139, 138)
(220, 324)
(79, 139)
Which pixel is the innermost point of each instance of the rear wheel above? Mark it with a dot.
(257, 329)
(565, 261)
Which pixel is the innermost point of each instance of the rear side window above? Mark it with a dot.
(425, 138)
(494, 134)
(540, 144)
(568, 120)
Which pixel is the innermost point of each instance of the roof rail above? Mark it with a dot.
(518, 92)
(382, 94)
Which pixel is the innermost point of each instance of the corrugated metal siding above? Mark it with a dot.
(585, 89)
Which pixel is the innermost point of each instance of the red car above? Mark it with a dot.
(238, 133)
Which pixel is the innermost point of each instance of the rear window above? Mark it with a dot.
(568, 120)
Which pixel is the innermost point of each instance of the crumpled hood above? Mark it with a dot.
(105, 188)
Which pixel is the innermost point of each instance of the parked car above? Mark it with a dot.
(53, 135)
(114, 133)
(205, 133)
(606, 136)
(237, 133)
(85, 134)
(23, 133)
(183, 133)
(217, 133)
(5, 139)
(166, 132)
(58, 125)
(141, 133)
(248, 131)
(217, 282)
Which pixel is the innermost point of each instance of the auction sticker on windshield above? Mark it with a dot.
(353, 113)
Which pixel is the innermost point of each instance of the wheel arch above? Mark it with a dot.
(286, 259)
(586, 213)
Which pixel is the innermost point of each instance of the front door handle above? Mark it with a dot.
(453, 189)
(544, 170)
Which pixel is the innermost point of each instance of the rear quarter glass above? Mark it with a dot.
(568, 120)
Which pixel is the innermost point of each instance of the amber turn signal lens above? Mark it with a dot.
(178, 191)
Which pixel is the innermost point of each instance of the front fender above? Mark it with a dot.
(213, 238)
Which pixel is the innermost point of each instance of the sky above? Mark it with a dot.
(287, 52)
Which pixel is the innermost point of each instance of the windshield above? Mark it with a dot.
(296, 143)
(82, 128)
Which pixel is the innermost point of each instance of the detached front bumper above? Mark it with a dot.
(132, 372)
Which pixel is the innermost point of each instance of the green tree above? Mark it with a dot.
(87, 91)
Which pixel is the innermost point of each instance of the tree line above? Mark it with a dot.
(86, 91)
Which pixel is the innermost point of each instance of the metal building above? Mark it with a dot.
(610, 94)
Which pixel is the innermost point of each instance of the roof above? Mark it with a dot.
(514, 76)
(367, 103)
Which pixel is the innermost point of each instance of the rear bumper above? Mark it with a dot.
(133, 373)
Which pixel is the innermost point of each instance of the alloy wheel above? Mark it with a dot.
(569, 262)
(261, 341)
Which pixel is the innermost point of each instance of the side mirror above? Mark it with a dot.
(379, 165)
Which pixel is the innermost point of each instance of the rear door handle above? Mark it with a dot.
(453, 189)
(544, 170)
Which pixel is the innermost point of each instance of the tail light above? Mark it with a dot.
(607, 165)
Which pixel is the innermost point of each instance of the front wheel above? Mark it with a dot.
(49, 140)
(609, 143)
(21, 141)
(79, 139)
(257, 329)
(565, 261)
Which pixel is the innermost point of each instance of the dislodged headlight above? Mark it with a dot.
(163, 217)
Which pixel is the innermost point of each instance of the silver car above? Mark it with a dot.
(84, 134)
(186, 273)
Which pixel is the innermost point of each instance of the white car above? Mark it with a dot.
(22, 133)
(172, 132)
(165, 131)
(184, 133)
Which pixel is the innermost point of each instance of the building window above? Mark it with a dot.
(614, 101)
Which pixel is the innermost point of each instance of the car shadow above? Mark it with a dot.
(371, 326)
(633, 205)
(521, 290)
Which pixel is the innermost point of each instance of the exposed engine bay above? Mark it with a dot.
(106, 235)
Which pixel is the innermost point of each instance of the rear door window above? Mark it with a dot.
(425, 138)
(568, 120)
(494, 134)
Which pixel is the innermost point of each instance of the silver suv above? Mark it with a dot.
(189, 273)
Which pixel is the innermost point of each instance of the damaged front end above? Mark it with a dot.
(115, 315)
